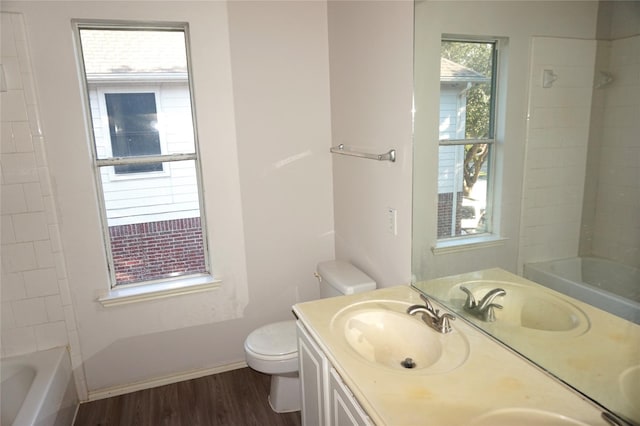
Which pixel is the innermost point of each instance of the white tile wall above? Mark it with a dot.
(557, 141)
(616, 228)
(37, 313)
(557, 147)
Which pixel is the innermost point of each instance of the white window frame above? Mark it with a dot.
(491, 236)
(152, 289)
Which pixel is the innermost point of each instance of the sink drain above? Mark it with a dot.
(408, 363)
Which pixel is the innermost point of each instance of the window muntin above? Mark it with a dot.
(145, 151)
(466, 137)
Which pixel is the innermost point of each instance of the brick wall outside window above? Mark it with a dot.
(445, 210)
(154, 250)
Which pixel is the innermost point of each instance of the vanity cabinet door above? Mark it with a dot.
(344, 410)
(314, 379)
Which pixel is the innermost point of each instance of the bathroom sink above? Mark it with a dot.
(522, 416)
(527, 308)
(630, 387)
(382, 334)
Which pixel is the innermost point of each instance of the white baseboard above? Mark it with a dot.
(161, 381)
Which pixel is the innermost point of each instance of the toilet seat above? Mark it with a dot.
(276, 341)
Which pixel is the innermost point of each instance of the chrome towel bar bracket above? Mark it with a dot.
(387, 156)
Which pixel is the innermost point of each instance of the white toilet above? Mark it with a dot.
(273, 348)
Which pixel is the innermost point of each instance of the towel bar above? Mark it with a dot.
(387, 156)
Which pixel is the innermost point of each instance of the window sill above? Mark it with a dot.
(158, 290)
(467, 243)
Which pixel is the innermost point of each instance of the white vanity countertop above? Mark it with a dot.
(593, 362)
(493, 379)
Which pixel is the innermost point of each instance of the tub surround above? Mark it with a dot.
(599, 282)
(491, 379)
(599, 360)
(38, 389)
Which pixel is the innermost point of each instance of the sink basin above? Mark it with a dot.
(524, 416)
(527, 308)
(630, 387)
(382, 334)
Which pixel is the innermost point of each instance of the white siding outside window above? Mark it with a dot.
(152, 196)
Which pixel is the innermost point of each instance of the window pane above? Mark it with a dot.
(466, 71)
(154, 224)
(467, 86)
(121, 63)
(133, 129)
(140, 102)
(462, 208)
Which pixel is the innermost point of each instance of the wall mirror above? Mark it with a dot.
(565, 171)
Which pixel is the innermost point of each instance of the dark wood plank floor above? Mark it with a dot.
(237, 397)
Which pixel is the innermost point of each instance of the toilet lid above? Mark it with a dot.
(274, 339)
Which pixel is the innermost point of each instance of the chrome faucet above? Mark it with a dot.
(432, 317)
(485, 308)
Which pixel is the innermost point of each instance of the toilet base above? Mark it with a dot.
(284, 396)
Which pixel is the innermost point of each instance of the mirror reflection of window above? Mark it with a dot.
(467, 121)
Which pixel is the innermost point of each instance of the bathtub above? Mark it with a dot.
(607, 285)
(38, 389)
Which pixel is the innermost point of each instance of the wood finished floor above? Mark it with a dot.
(234, 398)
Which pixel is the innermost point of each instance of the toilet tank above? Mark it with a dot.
(339, 278)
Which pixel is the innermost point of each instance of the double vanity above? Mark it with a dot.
(394, 357)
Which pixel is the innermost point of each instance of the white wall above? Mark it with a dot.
(371, 59)
(279, 55)
(264, 135)
(517, 21)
